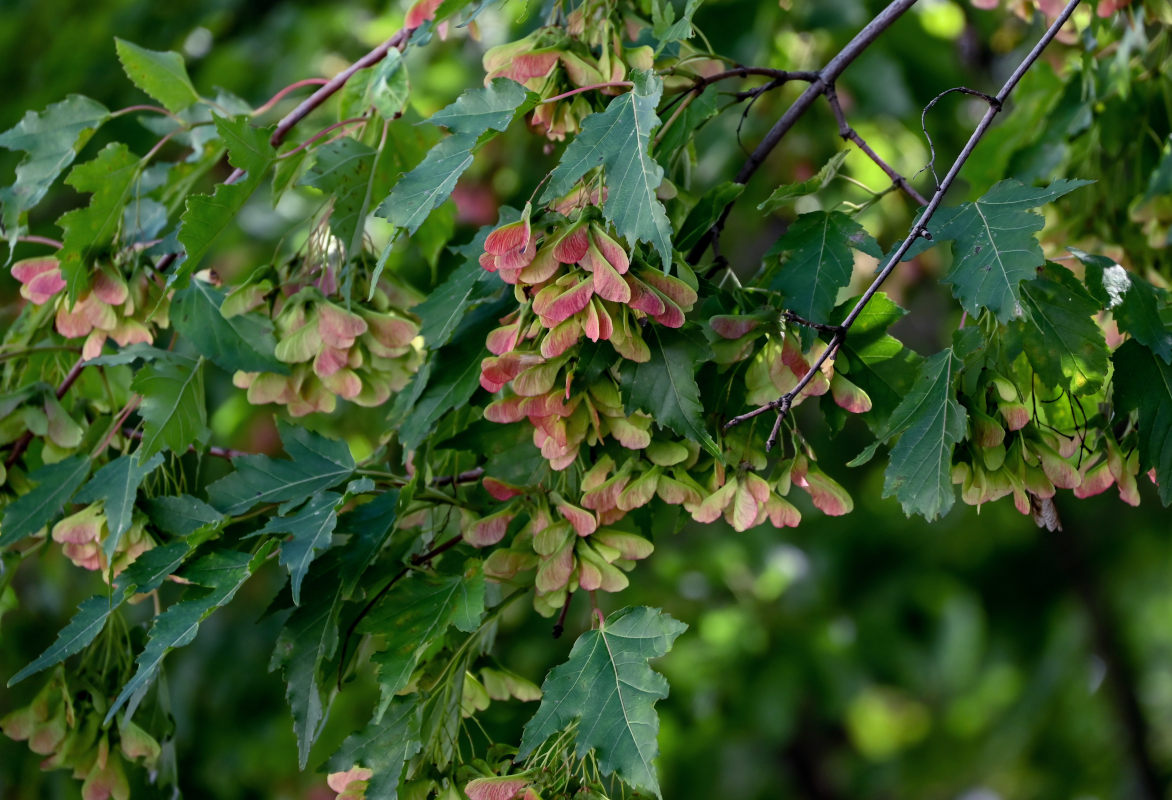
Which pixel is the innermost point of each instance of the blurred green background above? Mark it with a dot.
(869, 656)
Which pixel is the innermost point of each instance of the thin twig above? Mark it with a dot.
(778, 77)
(45, 240)
(826, 78)
(398, 41)
(849, 133)
(590, 88)
(468, 476)
(291, 87)
(155, 109)
(321, 133)
(290, 120)
(782, 404)
(818, 326)
(931, 165)
(218, 452)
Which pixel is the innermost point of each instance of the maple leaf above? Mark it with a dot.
(607, 686)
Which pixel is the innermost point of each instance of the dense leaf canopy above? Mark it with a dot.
(573, 400)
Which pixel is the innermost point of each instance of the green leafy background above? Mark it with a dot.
(864, 656)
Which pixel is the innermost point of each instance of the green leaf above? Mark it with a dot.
(345, 169)
(315, 463)
(1143, 383)
(224, 572)
(151, 568)
(387, 88)
(50, 140)
(478, 110)
(85, 626)
(782, 195)
(208, 215)
(55, 484)
(449, 379)
(312, 529)
(173, 412)
(880, 364)
(1134, 303)
(665, 386)
(618, 139)
(428, 185)
(440, 313)
(1060, 336)
(666, 28)
(243, 342)
(994, 246)
(310, 635)
(162, 75)
(116, 485)
(929, 422)
(89, 231)
(414, 615)
(608, 687)
(145, 575)
(705, 213)
(818, 261)
(181, 515)
(383, 746)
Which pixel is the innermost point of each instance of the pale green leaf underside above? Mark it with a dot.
(51, 140)
(162, 75)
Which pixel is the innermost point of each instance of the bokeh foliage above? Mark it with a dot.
(865, 656)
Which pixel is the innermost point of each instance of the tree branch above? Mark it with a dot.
(398, 41)
(849, 133)
(782, 404)
(310, 104)
(826, 78)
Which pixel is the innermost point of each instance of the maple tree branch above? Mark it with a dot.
(398, 41)
(468, 476)
(344, 123)
(782, 404)
(590, 88)
(276, 98)
(45, 240)
(825, 79)
(218, 452)
(310, 104)
(847, 132)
